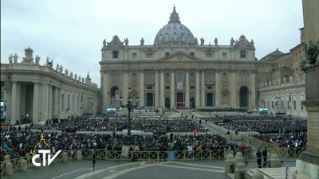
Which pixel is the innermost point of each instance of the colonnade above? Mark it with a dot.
(41, 101)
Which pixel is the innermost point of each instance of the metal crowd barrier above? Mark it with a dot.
(158, 155)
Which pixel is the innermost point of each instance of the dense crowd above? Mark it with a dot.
(222, 109)
(119, 124)
(261, 124)
(289, 140)
(18, 144)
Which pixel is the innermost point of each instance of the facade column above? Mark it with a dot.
(35, 110)
(203, 88)
(125, 86)
(23, 89)
(14, 103)
(18, 99)
(50, 103)
(141, 103)
(162, 89)
(218, 93)
(59, 104)
(45, 103)
(173, 102)
(106, 100)
(187, 89)
(157, 98)
(197, 88)
(55, 102)
(253, 89)
(233, 88)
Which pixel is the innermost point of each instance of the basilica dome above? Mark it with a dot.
(174, 32)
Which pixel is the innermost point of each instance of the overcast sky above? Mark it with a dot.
(71, 32)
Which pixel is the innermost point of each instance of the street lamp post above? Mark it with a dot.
(129, 107)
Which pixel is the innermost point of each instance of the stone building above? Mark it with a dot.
(281, 83)
(40, 92)
(179, 70)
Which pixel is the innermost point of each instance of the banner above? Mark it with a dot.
(179, 85)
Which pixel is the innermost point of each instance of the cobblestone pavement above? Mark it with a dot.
(194, 169)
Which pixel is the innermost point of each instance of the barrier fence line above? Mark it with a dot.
(159, 155)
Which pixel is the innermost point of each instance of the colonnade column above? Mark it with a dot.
(14, 103)
(125, 86)
(162, 89)
(105, 94)
(187, 89)
(50, 103)
(35, 110)
(55, 103)
(197, 88)
(217, 89)
(45, 102)
(59, 104)
(172, 89)
(141, 103)
(233, 88)
(156, 89)
(203, 88)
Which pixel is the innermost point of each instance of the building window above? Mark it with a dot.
(209, 87)
(166, 54)
(115, 54)
(224, 56)
(166, 87)
(192, 54)
(243, 78)
(209, 77)
(301, 105)
(192, 78)
(192, 87)
(149, 87)
(209, 54)
(179, 77)
(294, 105)
(134, 56)
(242, 54)
(166, 77)
(149, 55)
(149, 78)
(114, 78)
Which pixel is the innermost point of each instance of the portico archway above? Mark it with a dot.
(167, 103)
(243, 97)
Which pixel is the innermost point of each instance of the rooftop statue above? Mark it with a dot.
(10, 58)
(79, 78)
(66, 72)
(37, 60)
(104, 43)
(142, 41)
(71, 74)
(57, 67)
(61, 69)
(232, 41)
(47, 63)
(51, 64)
(216, 41)
(202, 41)
(126, 42)
(15, 58)
(196, 41)
(252, 42)
(75, 76)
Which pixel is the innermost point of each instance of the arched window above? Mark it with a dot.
(149, 78)
(166, 77)
(243, 78)
(180, 77)
(192, 78)
(225, 77)
(134, 77)
(114, 78)
(209, 77)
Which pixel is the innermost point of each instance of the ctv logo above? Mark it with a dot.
(44, 154)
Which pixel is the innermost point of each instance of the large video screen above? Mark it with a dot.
(111, 111)
(263, 111)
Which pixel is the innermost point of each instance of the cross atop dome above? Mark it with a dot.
(174, 18)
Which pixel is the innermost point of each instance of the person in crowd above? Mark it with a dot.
(265, 157)
(258, 154)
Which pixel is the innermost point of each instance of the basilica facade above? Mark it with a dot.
(179, 70)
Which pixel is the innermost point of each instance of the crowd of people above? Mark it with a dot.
(288, 140)
(120, 124)
(18, 143)
(261, 124)
(222, 109)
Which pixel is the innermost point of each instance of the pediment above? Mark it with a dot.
(179, 56)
